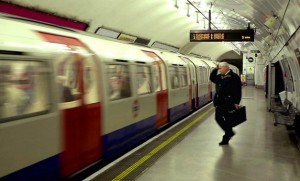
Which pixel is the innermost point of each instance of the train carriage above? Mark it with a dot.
(79, 99)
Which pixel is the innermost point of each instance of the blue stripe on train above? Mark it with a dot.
(203, 100)
(46, 170)
(193, 104)
(121, 140)
(178, 112)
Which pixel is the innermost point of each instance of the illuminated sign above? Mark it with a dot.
(125, 37)
(254, 51)
(221, 35)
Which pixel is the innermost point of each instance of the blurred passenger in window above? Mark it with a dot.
(175, 82)
(13, 101)
(144, 86)
(25, 82)
(125, 88)
(115, 88)
(157, 82)
(65, 91)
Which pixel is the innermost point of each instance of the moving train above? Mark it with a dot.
(69, 99)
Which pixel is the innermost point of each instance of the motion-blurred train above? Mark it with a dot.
(68, 99)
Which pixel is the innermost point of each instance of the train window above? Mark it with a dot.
(200, 76)
(24, 89)
(119, 81)
(173, 72)
(160, 75)
(90, 81)
(67, 79)
(160, 81)
(163, 75)
(183, 76)
(157, 75)
(204, 75)
(144, 80)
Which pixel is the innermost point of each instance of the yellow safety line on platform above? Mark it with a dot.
(158, 148)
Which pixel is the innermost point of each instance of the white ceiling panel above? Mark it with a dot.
(170, 21)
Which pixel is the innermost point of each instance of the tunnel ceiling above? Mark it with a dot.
(170, 21)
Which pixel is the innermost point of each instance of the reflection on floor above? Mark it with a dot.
(258, 152)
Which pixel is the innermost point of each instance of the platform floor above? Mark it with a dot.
(258, 152)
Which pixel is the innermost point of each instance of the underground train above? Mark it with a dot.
(68, 99)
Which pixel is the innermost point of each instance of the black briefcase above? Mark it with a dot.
(237, 116)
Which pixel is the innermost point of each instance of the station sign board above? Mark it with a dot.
(221, 35)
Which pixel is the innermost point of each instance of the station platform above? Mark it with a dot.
(189, 150)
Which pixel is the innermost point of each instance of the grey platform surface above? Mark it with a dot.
(258, 152)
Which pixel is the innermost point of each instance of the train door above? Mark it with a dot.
(211, 87)
(76, 73)
(191, 82)
(194, 83)
(161, 89)
(203, 85)
(206, 82)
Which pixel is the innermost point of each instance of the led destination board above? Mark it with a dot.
(221, 35)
